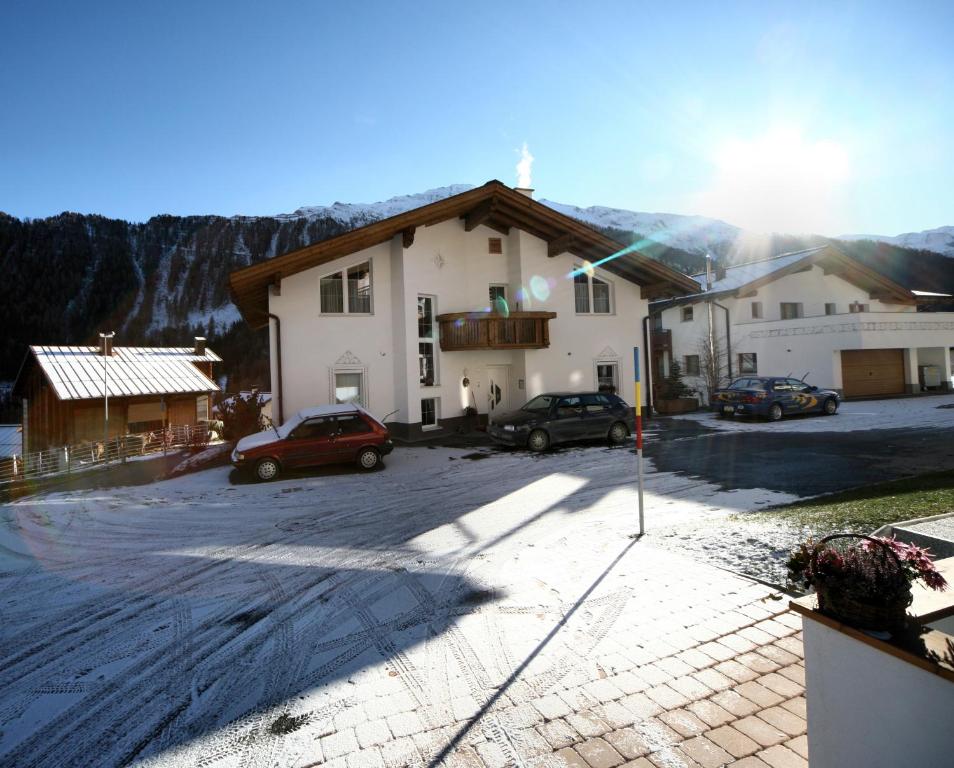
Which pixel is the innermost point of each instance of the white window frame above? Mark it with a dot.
(491, 286)
(432, 340)
(685, 366)
(682, 314)
(362, 371)
(589, 293)
(755, 360)
(799, 310)
(345, 301)
(437, 414)
(613, 361)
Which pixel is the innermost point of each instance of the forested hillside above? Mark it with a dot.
(67, 277)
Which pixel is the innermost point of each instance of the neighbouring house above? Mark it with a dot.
(65, 390)
(816, 313)
(469, 305)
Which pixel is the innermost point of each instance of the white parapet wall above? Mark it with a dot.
(868, 708)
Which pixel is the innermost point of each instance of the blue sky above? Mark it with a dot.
(790, 116)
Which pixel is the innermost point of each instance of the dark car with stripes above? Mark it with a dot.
(773, 397)
(559, 417)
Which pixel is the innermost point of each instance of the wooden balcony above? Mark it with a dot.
(519, 330)
(661, 340)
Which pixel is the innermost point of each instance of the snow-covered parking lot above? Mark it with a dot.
(195, 622)
(377, 619)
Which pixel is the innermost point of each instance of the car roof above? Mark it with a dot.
(573, 394)
(328, 410)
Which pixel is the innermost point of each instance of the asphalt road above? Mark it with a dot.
(805, 464)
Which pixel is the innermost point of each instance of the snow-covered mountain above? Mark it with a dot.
(939, 240)
(695, 234)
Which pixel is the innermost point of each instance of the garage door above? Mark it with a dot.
(866, 372)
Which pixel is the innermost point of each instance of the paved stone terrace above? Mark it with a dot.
(723, 688)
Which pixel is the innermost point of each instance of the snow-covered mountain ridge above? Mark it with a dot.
(939, 240)
(695, 234)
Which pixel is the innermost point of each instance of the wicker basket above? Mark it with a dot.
(858, 606)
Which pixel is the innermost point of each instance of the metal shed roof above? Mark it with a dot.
(78, 373)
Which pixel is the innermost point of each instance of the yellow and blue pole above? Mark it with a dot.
(639, 437)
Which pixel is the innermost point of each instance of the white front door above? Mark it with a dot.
(498, 389)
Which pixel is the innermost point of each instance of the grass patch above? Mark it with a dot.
(863, 510)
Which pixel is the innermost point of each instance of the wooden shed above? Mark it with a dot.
(65, 391)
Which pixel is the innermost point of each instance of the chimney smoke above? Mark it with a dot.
(524, 167)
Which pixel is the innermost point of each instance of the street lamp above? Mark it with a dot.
(106, 340)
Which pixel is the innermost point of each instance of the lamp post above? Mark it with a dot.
(106, 340)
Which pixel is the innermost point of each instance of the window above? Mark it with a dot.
(748, 363)
(581, 291)
(607, 376)
(352, 424)
(426, 336)
(831, 309)
(596, 403)
(591, 294)
(494, 245)
(690, 365)
(856, 307)
(332, 291)
(687, 314)
(657, 322)
(314, 429)
(429, 412)
(569, 407)
(349, 388)
(791, 310)
(202, 408)
(756, 310)
(498, 298)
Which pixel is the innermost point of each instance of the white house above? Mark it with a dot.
(478, 301)
(817, 313)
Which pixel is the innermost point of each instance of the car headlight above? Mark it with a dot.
(509, 427)
(236, 456)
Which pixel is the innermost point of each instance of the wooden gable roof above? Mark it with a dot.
(494, 205)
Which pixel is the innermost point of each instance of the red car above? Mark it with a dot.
(328, 434)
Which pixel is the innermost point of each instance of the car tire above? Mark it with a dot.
(267, 469)
(775, 412)
(830, 408)
(618, 433)
(368, 459)
(538, 441)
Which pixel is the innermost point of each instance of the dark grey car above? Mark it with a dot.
(559, 417)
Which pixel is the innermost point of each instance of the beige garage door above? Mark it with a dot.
(866, 372)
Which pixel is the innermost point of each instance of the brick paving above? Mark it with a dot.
(719, 693)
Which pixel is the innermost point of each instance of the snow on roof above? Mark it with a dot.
(327, 410)
(742, 274)
(77, 373)
(11, 440)
(930, 294)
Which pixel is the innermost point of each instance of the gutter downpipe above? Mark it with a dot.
(278, 365)
(648, 366)
(728, 337)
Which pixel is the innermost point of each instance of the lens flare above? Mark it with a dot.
(501, 307)
(539, 288)
(587, 269)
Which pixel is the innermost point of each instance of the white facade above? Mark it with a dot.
(456, 269)
(831, 315)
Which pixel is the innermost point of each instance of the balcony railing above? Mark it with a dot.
(661, 339)
(518, 330)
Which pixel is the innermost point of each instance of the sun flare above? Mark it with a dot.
(778, 182)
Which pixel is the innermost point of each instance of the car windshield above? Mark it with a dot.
(539, 403)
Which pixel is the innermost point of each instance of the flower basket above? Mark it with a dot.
(873, 593)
